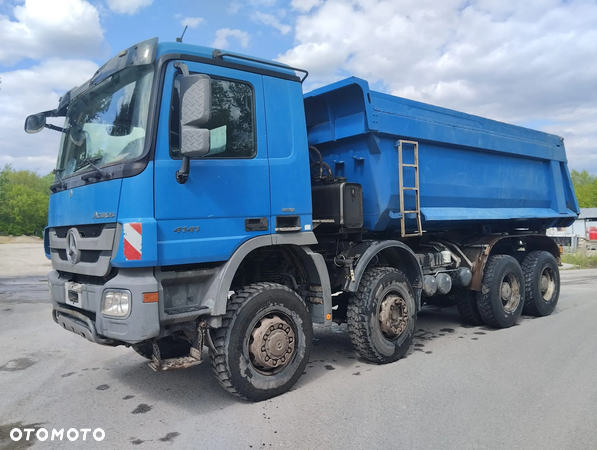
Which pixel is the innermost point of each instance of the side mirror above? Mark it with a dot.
(35, 123)
(195, 111)
(195, 100)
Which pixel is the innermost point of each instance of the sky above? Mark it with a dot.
(530, 63)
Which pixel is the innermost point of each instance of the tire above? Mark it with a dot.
(501, 298)
(466, 303)
(542, 283)
(266, 312)
(169, 348)
(383, 292)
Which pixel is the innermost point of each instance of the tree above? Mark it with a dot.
(585, 187)
(24, 197)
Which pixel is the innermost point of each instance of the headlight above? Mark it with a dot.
(116, 303)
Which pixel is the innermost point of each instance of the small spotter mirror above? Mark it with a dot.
(196, 142)
(77, 135)
(35, 123)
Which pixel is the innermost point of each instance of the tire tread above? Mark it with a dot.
(528, 269)
(466, 304)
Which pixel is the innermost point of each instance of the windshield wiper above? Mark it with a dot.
(60, 184)
(97, 173)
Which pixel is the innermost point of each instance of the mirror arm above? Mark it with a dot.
(182, 175)
(54, 127)
(183, 68)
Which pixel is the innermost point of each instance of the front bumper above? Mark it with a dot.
(86, 318)
(78, 323)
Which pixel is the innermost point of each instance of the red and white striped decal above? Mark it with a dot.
(132, 241)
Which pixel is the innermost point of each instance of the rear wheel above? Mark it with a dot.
(466, 303)
(382, 315)
(264, 343)
(542, 283)
(501, 298)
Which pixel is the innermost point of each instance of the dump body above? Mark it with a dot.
(472, 170)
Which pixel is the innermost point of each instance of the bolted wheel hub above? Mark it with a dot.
(393, 316)
(272, 343)
(510, 292)
(506, 291)
(548, 284)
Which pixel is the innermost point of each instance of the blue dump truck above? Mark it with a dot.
(201, 200)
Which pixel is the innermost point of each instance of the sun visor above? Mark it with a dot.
(138, 55)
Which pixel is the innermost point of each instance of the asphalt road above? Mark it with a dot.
(528, 387)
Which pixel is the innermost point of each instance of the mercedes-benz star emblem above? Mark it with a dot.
(73, 254)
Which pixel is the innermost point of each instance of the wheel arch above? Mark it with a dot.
(480, 249)
(303, 257)
(395, 253)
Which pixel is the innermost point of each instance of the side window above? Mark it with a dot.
(232, 123)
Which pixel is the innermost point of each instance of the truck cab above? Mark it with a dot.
(121, 222)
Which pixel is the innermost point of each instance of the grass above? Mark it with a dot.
(585, 262)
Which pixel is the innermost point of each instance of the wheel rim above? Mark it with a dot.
(510, 292)
(272, 343)
(393, 316)
(547, 284)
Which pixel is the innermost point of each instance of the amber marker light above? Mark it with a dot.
(328, 317)
(150, 297)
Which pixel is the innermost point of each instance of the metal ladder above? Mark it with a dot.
(417, 210)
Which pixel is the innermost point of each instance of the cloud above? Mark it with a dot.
(271, 20)
(68, 28)
(191, 22)
(520, 62)
(223, 34)
(305, 5)
(29, 91)
(578, 129)
(262, 3)
(130, 7)
(234, 7)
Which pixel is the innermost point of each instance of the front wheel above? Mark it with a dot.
(264, 343)
(382, 315)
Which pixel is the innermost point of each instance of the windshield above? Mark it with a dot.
(107, 125)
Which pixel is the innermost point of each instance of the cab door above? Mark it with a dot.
(226, 199)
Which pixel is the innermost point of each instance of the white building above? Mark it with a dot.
(586, 219)
(580, 228)
(568, 237)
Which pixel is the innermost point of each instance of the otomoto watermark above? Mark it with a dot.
(44, 434)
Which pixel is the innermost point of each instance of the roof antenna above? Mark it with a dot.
(179, 39)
